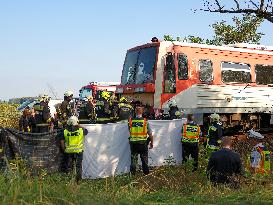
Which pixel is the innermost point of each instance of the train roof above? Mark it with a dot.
(240, 47)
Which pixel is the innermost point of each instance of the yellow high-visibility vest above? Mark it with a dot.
(138, 129)
(73, 141)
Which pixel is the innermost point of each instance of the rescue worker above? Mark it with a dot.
(124, 109)
(103, 108)
(87, 111)
(42, 115)
(26, 121)
(72, 139)
(224, 164)
(139, 128)
(190, 134)
(66, 109)
(173, 110)
(215, 134)
(260, 156)
(113, 106)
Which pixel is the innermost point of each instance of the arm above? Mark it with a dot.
(62, 144)
(150, 135)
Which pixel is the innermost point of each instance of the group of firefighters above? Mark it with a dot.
(223, 162)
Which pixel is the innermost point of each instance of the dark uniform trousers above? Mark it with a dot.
(70, 160)
(189, 148)
(139, 148)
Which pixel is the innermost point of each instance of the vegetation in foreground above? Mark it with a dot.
(165, 185)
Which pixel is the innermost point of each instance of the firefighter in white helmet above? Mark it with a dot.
(66, 110)
(215, 133)
(259, 160)
(173, 110)
(72, 139)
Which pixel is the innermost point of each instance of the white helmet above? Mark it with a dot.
(68, 93)
(172, 103)
(73, 120)
(215, 117)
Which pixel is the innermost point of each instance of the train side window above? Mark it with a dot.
(205, 70)
(264, 74)
(182, 66)
(235, 72)
(169, 75)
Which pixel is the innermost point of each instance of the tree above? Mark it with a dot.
(244, 30)
(261, 8)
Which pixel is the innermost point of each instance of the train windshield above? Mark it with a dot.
(85, 92)
(139, 66)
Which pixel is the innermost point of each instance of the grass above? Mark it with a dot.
(165, 185)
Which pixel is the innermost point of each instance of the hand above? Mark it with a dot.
(151, 145)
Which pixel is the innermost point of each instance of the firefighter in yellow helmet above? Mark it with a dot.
(42, 117)
(215, 133)
(259, 159)
(139, 129)
(72, 139)
(103, 111)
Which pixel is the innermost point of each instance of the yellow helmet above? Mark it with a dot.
(105, 95)
(44, 98)
(123, 99)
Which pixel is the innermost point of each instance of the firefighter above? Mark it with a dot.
(103, 108)
(173, 110)
(42, 115)
(124, 109)
(215, 133)
(190, 134)
(72, 139)
(66, 109)
(259, 159)
(87, 111)
(139, 129)
(26, 121)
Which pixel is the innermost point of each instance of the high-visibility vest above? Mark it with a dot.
(190, 133)
(73, 141)
(138, 129)
(264, 166)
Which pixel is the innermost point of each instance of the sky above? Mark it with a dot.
(62, 45)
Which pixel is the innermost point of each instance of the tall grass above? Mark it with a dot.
(164, 185)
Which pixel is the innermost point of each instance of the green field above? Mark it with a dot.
(165, 185)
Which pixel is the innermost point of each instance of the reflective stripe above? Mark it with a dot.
(190, 133)
(138, 129)
(103, 119)
(42, 124)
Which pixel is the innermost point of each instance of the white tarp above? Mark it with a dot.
(107, 151)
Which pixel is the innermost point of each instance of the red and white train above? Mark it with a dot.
(235, 81)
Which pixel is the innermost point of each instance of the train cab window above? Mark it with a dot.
(235, 72)
(205, 70)
(182, 67)
(169, 75)
(264, 74)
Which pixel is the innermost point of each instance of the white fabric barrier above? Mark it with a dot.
(107, 150)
